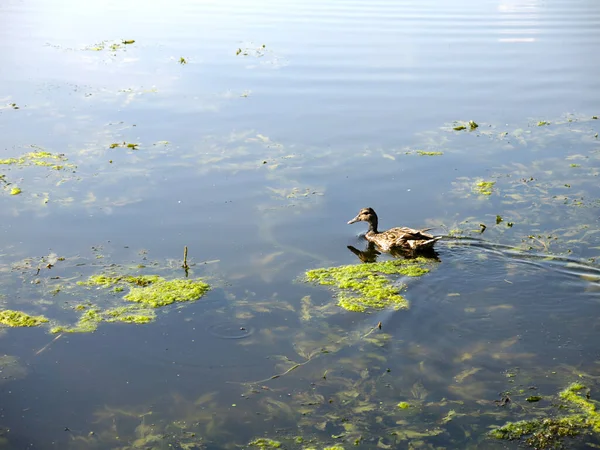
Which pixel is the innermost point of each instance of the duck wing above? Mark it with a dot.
(409, 234)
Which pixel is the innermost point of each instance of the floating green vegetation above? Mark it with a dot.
(39, 158)
(20, 319)
(484, 187)
(471, 125)
(403, 405)
(264, 443)
(182, 61)
(542, 123)
(549, 432)
(165, 292)
(364, 286)
(92, 317)
(111, 45)
(258, 51)
(152, 290)
(15, 191)
(425, 153)
(575, 165)
(130, 145)
(108, 280)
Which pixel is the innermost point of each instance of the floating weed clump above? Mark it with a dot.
(484, 187)
(108, 280)
(130, 145)
(165, 292)
(152, 290)
(264, 443)
(549, 432)
(470, 125)
(366, 286)
(426, 153)
(20, 319)
(39, 158)
(92, 317)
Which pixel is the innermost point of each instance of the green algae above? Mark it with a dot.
(20, 319)
(130, 145)
(264, 443)
(542, 123)
(15, 191)
(403, 405)
(542, 433)
(549, 432)
(484, 187)
(90, 319)
(471, 125)
(425, 153)
(163, 292)
(111, 280)
(151, 290)
(39, 158)
(366, 286)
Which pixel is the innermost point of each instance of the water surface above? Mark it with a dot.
(261, 129)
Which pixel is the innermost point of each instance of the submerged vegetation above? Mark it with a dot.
(368, 286)
(550, 432)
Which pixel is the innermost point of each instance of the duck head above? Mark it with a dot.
(366, 215)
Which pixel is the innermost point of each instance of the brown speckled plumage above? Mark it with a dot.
(400, 237)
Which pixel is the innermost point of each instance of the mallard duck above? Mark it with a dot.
(400, 237)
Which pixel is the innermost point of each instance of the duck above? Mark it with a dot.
(394, 238)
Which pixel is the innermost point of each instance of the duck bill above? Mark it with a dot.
(356, 219)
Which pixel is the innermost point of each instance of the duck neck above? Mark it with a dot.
(373, 225)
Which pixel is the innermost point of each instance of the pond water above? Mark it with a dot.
(250, 133)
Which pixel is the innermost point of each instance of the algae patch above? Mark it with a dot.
(426, 153)
(20, 319)
(39, 158)
(264, 443)
(147, 291)
(484, 187)
(549, 432)
(367, 286)
(90, 319)
(152, 290)
(165, 292)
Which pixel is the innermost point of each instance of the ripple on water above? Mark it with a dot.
(230, 330)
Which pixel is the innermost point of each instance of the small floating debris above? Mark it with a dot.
(130, 145)
(426, 153)
(471, 125)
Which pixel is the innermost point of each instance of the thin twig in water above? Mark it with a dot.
(48, 344)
